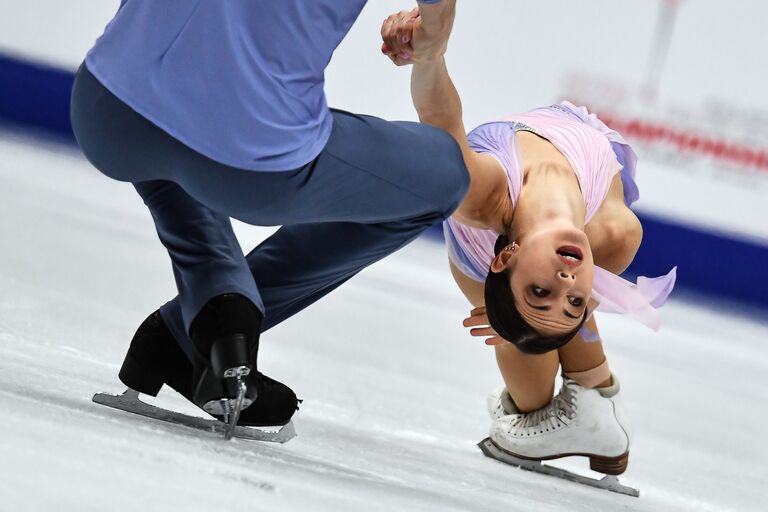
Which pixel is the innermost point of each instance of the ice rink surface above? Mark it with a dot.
(393, 387)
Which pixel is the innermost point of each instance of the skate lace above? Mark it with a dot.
(557, 413)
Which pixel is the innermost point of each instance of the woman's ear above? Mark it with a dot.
(505, 259)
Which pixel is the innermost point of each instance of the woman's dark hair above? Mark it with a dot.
(506, 319)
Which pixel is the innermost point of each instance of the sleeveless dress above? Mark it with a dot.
(595, 153)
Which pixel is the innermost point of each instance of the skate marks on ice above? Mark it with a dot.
(129, 401)
(608, 482)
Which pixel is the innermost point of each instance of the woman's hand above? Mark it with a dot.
(480, 327)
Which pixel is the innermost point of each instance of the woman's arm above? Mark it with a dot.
(614, 233)
(617, 240)
(420, 37)
(438, 104)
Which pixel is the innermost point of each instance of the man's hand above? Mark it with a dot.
(418, 36)
(478, 320)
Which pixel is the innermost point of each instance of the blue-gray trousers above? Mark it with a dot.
(375, 187)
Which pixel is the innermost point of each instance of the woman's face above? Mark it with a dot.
(551, 276)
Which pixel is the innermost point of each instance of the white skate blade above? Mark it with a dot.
(608, 482)
(129, 402)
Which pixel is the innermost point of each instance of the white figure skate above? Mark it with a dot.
(500, 404)
(578, 421)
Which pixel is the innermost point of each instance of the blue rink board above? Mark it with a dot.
(37, 96)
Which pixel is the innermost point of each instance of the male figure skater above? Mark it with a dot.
(215, 110)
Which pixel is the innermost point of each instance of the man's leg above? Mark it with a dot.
(406, 176)
(300, 264)
(374, 188)
(207, 260)
(205, 254)
(401, 177)
(219, 299)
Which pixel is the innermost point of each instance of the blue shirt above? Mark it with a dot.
(240, 81)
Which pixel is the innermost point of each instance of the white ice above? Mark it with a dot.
(394, 388)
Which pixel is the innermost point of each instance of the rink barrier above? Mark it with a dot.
(35, 95)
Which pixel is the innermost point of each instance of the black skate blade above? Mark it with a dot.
(129, 402)
(608, 482)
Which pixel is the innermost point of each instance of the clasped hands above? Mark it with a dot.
(409, 39)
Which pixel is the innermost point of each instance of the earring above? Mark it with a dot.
(512, 246)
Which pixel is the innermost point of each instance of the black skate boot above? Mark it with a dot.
(155, 358)
(225, 341)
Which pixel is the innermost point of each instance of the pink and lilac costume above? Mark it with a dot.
(596, 153)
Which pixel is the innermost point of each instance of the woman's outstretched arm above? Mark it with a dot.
(438, 104)
(420, 37)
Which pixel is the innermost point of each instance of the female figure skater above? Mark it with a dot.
(536, 246)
